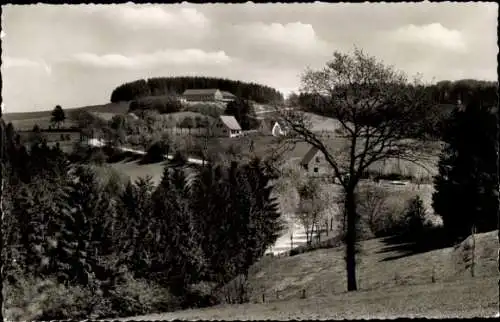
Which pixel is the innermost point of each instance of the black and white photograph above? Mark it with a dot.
(249, 161)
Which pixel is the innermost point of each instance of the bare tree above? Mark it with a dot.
(380, 114)
(310, 208)
(372, 203)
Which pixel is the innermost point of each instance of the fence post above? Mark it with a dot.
(473, 250)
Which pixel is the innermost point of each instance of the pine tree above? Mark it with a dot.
(466, 187)
(179, 257)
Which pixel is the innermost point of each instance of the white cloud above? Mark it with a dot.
(12, 62)
(155, 59)
(433, 34)
(295, 35)
(153, 16)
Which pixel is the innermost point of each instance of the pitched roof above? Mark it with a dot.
(227, 94)
(230, 122)
(309, 155)
(210, 91)
(281, 123)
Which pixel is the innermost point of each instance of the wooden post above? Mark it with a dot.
(291, 240)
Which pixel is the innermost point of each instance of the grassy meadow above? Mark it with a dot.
(391, 283)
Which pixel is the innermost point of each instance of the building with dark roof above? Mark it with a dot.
(315, 164)
(202, 95)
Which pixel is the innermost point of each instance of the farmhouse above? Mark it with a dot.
(315, 164)
(228, 126)
(202, 95)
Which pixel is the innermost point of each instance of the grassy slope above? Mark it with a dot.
(380, 294)
(42, 118)
(134, 170)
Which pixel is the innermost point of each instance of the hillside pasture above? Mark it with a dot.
(432, 284)
(26, 121)
(43, 122)
(322, 272)
(52, 136)
(134, 170)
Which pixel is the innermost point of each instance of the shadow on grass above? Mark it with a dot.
(123, 157)
(405, 246)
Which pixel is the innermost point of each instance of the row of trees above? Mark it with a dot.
(442, 98)
(177, 85)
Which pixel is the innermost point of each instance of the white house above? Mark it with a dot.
(228, 126)
(278, 129)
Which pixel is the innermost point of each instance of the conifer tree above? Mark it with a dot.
(466, 189)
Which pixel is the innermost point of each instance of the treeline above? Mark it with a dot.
(444, 97)
(77, 245)
(177, 85)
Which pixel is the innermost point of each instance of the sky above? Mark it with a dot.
(75, 55)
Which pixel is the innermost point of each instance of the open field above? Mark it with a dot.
(42, 122)
(134, 170)
(26, 121)
(389, 285)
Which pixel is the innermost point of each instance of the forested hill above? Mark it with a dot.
(170, 85)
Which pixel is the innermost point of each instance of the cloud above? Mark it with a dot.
(12, 62)
(155, 59)
(433, 34)
(141, 17)
(295, 35)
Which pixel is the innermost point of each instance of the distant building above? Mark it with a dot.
(133, 116)
(202, 95)
(228, 126)
(227, 96)
(315, 164)
(272, 127)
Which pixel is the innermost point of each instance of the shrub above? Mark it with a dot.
(414, 218)
(324, 244)
(155, 153)
(132, 296)
(237, 291)
(200, 295)
(97, 156)
(134, 140)
(45, 299)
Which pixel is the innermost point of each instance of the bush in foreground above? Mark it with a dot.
(45, 299)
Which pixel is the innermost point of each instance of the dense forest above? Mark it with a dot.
(96, 244)
(177, 85)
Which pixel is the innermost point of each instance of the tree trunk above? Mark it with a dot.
(350, 208)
